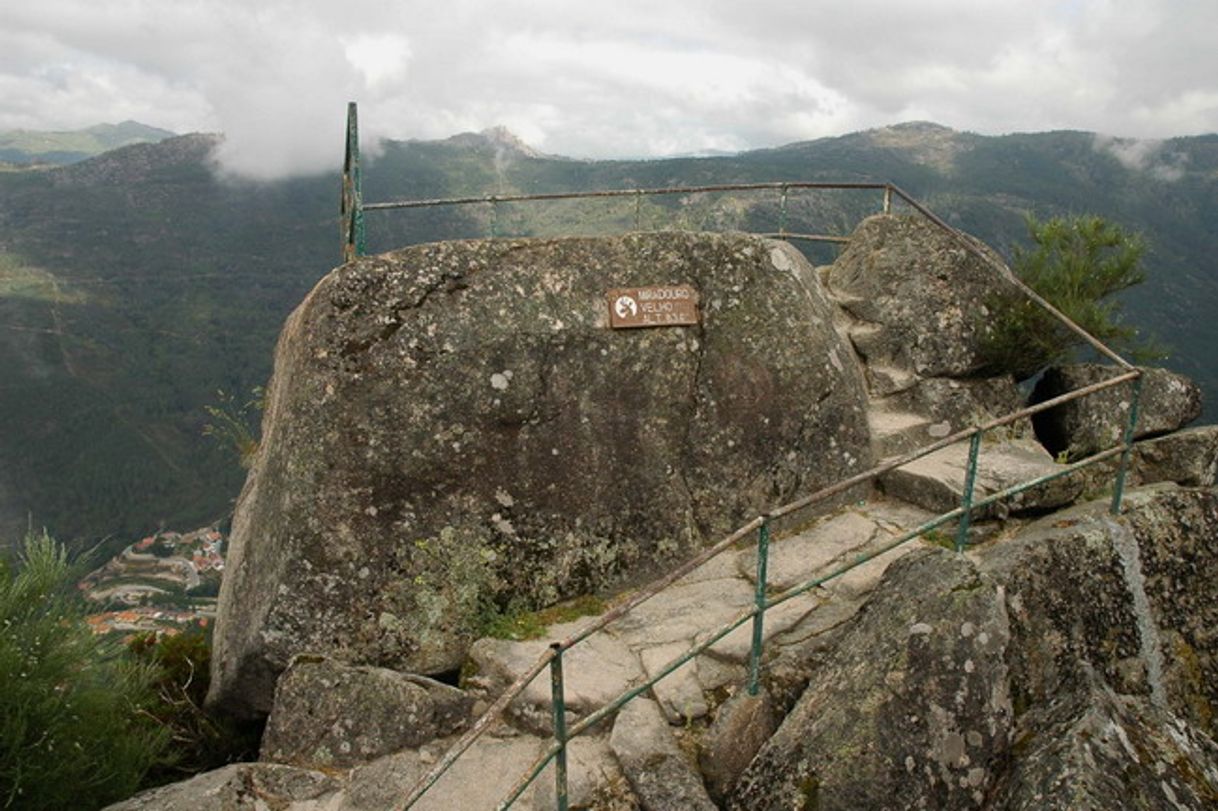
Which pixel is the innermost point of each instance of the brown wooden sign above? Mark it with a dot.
(670, 305)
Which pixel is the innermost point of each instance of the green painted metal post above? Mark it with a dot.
(966, 500)
(352, 207)
(494, 217)
(559, 706)
(638, 212)
(763, 554)
(1118, 488)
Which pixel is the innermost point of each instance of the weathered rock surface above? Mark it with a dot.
(959, 403)
(1094, 750)
(241, 787)
(936, 481)
(1176, 530)
(594, 780)
(454, 423)
(1089, 677)
(480, 779)
(1067, 664)
(595, 672)
(661, 775)
(1188, 457)
(921, 293)
(655, 633)
(909, 711)
(742, 725)
(1130, 600)
(329, 714)
(1081, 427)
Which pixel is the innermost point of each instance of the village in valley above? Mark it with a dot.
(164, 583)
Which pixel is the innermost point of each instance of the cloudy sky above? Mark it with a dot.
(607, 79)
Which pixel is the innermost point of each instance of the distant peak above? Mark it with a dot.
(924, 127)
(499, 137)
(923, 142)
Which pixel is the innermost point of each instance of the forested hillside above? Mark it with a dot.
(136, 285)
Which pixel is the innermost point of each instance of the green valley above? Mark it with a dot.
(136, 285)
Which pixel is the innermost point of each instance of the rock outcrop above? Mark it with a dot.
(919, 294)
(911, 711)
(960, 683)
(1081, 427)
(444, 433)
(240, 787)
(328, 714)
(455, 425)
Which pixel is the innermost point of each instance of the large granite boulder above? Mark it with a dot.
(1188, 457)
(919, 295)
(1068, 665)
(1129, 600)
(453, 425)
(1095, 750)
(910, 710)
(328, 714)
(1081, 427)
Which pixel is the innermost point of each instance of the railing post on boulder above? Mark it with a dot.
(559, 707)
(888, 199)
(494, 223)
(763, 554)
(351, 210)
(1118, 487)
(966, 499)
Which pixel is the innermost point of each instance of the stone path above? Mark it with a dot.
(645, 641)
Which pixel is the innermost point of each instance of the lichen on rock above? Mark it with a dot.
(453, 425)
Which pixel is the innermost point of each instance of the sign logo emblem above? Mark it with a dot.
(626, 307)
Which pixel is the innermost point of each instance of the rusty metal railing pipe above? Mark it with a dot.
(658, 585)
(950, 439)
(475, 731)
(968, 245)
(576, 195)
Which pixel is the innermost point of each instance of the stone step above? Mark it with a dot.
(897, 432)
(884, 379)
(936, 481)
(644, 642)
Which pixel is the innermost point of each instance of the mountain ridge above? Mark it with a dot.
(136, 284)
(64, 147)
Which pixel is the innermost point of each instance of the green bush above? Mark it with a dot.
(74, 725)
(235, 425)
(201, 741)
(1076, 264)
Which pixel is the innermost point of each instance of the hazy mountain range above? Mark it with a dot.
(135, 284)
(33, 148)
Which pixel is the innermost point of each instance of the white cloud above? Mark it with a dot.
(381, 58)
(1144, 155)
(624, 79)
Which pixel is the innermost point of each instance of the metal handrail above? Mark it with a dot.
(353, 245)
(663, 190)
(758, 524)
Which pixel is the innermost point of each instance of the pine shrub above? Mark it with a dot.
(1077, 264)
(74, 727)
